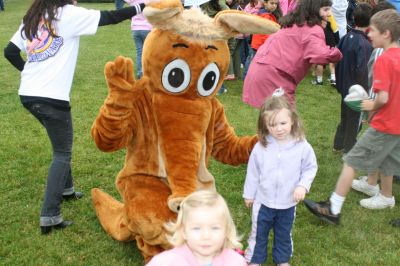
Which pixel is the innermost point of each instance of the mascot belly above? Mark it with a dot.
(169, 121)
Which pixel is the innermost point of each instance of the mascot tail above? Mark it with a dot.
(110, 213)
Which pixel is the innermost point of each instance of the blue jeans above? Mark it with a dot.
(2, 5)
(58, 124)
(119, 4)
(139, 36)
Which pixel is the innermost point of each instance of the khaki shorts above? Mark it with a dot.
(375, 151)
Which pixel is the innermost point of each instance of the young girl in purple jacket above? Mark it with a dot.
(284, 59)
(280, 171)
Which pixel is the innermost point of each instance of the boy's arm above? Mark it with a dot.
(382, 97)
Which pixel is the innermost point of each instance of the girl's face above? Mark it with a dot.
(325, 13)
(280, 126)
(271, 5)
(205, 233)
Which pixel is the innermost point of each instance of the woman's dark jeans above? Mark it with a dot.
(58, 124)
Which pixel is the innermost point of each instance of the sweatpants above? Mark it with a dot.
(263, 220)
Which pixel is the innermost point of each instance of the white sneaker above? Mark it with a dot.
(362, 185)
(378, 202)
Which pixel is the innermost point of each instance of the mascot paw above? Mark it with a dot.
(119, 73)
(174, 203)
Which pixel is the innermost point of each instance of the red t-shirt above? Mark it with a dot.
(387, 78)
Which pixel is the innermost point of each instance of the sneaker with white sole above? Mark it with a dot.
(362, 185)
(378, 202)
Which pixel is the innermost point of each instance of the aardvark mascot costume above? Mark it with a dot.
(169, 121)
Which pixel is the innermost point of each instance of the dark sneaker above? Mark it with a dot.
(322, 210)
(74, 196)
(332, 82)
(316, 82)
(395, 222)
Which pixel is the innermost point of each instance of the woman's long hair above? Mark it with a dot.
(41, 9)
(307, 11)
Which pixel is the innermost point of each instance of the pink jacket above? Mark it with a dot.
(252, 9)
(138, 22)
(284, 60)
(183, 256)
(286, 7)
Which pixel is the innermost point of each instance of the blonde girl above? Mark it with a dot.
(280, 171)
(203, 235)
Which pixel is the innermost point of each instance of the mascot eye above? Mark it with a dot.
(208, 79)
(176, 76)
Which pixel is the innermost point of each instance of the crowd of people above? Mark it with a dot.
(282, 165)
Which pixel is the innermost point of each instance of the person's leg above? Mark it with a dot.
(236, 58)
(231, 74)
(329, 211)
(283, 244)
(139, 36)
(2, 5)
(352, 126)
(338, 142)
(119, 4)
(58, 125)
(319, 70)
(332, 77)
(244, 51)
(262, 221)
(248, 61)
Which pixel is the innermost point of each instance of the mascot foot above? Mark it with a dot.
(111, 215)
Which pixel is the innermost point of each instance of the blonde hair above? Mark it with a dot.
(202, 198)
(273, 105)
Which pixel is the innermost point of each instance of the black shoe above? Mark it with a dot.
(47, 229)
(322, 210)
(395, 222)
(74, 196)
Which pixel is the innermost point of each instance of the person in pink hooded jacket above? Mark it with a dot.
(285, 58)
(203, 235)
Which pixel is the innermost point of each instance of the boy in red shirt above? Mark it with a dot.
(379, 147)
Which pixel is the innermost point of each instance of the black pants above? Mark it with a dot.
(347, 130)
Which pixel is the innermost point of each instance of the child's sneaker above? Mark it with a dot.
(362, 185)
(378, 202)
(316, 82)
(322, 210)
(332, 82)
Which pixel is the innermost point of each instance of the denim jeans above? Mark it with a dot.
(119, 4)
(139, 36)
(58, 124)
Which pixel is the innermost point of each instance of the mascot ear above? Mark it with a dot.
(234, 22)
(158, 12)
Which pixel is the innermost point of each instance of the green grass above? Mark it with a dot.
(364, 238)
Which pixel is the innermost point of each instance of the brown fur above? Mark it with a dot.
(168, 137)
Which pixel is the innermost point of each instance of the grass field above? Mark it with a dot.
(363, 238)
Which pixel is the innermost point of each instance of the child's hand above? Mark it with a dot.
(367, 105)
(299, 193)
(248, 202)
